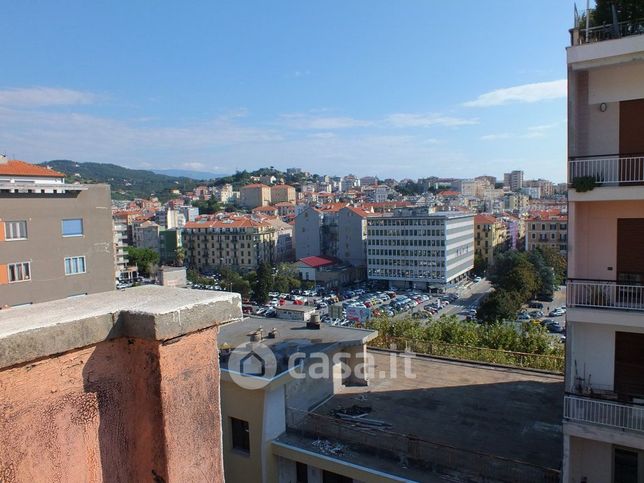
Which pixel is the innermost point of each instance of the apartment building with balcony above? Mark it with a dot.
(56, 239)
(239, 243)
(490, 236)
(415, 247)
(546, 230)
(604, 402)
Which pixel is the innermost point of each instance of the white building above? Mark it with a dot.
(414, 247)
(513, 180)
(604, 403)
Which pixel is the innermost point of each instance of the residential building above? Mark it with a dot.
(284, 251)
(239, 243)
(415, 247)
(545, 230)
(169, 242)
(146, 235)
(490, 236)
(116, 386)
(282, 193)
(224, 193)
(513, 180)
(308, 233)
(352, 236)
(120, 231)
(603, 406)
(546, 188)
(56, 239)
(254, 195)
(332, 421)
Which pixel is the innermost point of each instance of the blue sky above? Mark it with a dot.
(406, 88)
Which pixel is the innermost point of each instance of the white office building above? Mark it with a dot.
(418, 248)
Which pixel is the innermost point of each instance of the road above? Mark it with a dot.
(469, 297)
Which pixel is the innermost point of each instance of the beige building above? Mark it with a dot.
(282, 193)
(603, 406)
(240, 243)
(549, 231)
(56, 239)
(490, 235)
(254, 195)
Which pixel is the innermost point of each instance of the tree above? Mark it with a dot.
(627, 10)
(480, 265)
(263, 283)
(180, 256)
(554, 259)
(207, 207)
(499, 305)
(144, 258)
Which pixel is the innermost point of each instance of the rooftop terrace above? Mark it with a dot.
(452, 418)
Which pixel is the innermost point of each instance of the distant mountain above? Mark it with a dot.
(187, 173)
(126, 183)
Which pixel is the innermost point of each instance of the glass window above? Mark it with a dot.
(74, 265)
(72, 227)
(15, 230)
(19, 272)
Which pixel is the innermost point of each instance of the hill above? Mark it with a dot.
(126, 183)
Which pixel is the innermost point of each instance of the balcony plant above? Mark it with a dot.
(584, 183)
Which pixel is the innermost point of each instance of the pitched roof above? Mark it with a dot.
(316, 262)
(448, 193)
(282, 186)
(484, 219)
(241, 222)
(255, 185)
(13, 167)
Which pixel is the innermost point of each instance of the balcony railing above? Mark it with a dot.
(607, 31)
(604, 413)
(610, 170)
(605, 295)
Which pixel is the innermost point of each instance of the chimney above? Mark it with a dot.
(314, 322)
(273, 333)
(4, 159)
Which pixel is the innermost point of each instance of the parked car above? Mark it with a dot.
(555, 327)
(556, 313)
(536, 305)
(477, 279)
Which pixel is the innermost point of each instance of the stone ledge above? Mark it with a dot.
(149, 312)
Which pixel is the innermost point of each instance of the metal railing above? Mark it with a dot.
(382, 442)
(604, 413)
(545, 362)
(608, 170)
(605, 294)
(607, 31)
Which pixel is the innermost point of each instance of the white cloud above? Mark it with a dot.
(305, 121)
(404, 120)
(526, 93)
(44, 96)
(495, 137)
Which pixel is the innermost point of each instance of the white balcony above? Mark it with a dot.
(605, 295)
(604, 413)
(610, 175)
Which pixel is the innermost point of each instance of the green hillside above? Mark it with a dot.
(126, 183)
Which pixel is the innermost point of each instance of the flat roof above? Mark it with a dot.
(505, 415)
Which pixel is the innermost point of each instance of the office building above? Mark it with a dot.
(414, 247)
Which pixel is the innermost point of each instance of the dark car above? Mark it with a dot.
(536, 305)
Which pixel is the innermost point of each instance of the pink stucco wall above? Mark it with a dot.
(123, 410)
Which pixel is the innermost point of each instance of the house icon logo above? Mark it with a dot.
(252, 365)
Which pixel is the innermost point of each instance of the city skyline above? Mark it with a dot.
(336, 88)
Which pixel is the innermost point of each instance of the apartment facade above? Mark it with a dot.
(604, 402)
(547, 232)
(513, 180)
(254, 195)
(282, 193)
(490, 235)
(414, 247)
(56, 239)
(238, 243)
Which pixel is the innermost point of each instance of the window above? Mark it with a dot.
(74, 265)
(15, 230)
(19, 272)
(241, 439)
(73, 227)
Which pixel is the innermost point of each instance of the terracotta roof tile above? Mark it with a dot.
(13, 167)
